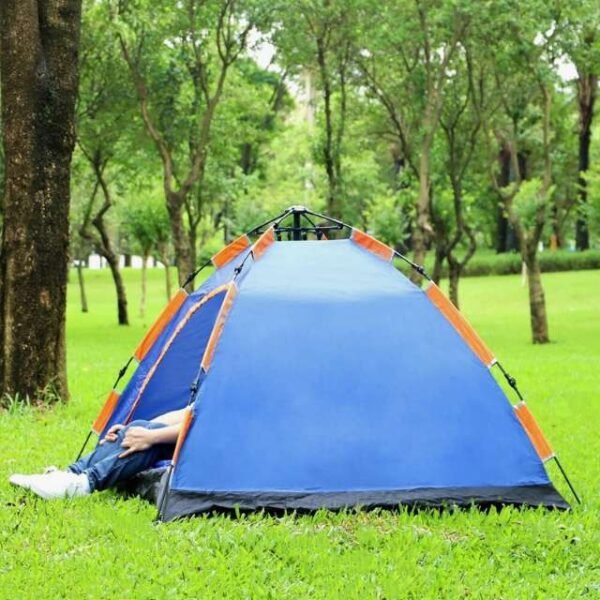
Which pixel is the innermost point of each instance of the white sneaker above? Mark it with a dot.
(56, 484)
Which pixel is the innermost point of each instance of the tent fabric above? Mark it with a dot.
(183, 365)
(334, 382)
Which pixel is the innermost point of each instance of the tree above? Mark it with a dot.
(581, 42)
(147, 223)
(39, 77)
(316, 39)
(104, 116)
(467, 100)
(179, 59)
(405, 66)
(526, 94)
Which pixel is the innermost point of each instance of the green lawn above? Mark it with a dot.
(108, 547)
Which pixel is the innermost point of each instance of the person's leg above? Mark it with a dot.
(104, 468)
(99, 470)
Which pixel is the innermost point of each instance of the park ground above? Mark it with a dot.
(108, 547)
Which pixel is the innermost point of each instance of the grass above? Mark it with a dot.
(108, 547)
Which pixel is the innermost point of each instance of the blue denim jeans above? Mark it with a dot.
(104, 468)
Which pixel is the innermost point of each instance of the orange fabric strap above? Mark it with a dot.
(536, 435)
(230, 251)
(218, 326)
(263, 242)
(372, 245)
(185, 427)
(462, 326)
(165, 316)
(106, 412)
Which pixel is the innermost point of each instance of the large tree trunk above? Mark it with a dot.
(586, 96)
(39, 77)
(537, 302)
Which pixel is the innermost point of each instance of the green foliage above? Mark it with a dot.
(108, 547)
(146, 222)
(530, 199)
(386, 216)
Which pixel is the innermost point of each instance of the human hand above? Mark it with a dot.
(136, 439)
(111, 434)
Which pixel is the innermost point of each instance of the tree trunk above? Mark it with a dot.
(193, 235)
(537, 302)
(113, 263)
(181, 244)
(82, 294)
(422, 229)
(168, 280)
(454, 270)
(39, 78)
(506, 239)
(112, 258)
(438, 264)
(163, 253)
(586, 96)
(144, 276)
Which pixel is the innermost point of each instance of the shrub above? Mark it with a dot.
(510, 263)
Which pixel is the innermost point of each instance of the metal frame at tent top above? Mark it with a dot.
(297, 231)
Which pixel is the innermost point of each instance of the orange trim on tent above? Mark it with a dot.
(263, 242)
(462, 326)
(193, 309)
(372, 245)
(106, 412)
(218, 327)
(185, 427)
(159, 325)
(536, 435)
(230, 251)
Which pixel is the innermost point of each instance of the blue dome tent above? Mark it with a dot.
(318, 376)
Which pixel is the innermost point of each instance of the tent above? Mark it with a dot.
(318, 376)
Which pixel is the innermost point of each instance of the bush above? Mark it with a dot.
(510, 263)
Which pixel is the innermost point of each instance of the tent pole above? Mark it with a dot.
(193, 274)
(513, 384)
(280, 216)
(564, 474)
(87, 439)
(296, 227)
(122, 372)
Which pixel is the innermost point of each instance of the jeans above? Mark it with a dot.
(104, 468)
